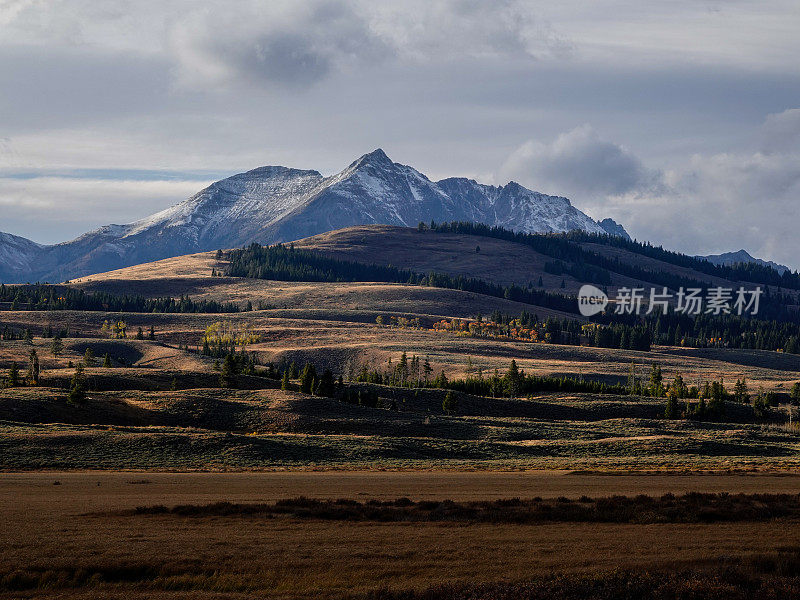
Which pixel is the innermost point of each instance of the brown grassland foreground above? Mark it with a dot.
(163, 484)
(84, 538)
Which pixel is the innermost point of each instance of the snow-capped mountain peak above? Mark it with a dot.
(275, 203)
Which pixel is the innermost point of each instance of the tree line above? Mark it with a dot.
(287, 263)
(565, 246)
(749, 272)
(51, 297)
(639, 333)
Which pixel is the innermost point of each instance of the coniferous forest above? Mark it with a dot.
(54, 297)
(286, 263)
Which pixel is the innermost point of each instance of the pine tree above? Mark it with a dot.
(679, 386)
(326, 385)
(760, 406)
(139, 334)
(450, 403)
(285, 384)
(796, 392)
(77, 387)
(57, 347)
(541, 282)
(13, 375)
(307, 378)
(227, 374)
(671, 411)
(656, 385)
(513, 379)
(107, 361)
(426, 370)
(402, 368)
(33, 367)
(152, 334)
(88, 358)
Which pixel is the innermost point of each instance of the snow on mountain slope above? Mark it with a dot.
(16, 254)
(272, 204)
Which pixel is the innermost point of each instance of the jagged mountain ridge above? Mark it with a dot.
(272, 204)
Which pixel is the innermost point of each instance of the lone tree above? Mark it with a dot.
(33, 367)
(88, 358)
(513, 379)
(107, 361)
(13, 375)
(57, 347)
(77, 387)
(450, 403)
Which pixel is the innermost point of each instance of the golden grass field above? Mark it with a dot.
(157, 429)
(70, 527)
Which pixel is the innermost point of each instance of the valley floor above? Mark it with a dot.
(67, 535)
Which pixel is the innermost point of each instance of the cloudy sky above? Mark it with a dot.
(679, 119)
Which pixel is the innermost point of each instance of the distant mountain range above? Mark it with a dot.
(272, 204)
(742, 256)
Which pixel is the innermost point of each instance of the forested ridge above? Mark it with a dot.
(566, 247)
(287, 263)
(59, 297)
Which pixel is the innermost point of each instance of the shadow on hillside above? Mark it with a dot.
(764, 359)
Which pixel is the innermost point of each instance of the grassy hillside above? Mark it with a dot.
(163, 403)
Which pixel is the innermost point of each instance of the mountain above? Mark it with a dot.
(611, 227)
(742, 256)
(16, 255)
(272, 204)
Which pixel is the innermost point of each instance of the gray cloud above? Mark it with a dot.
(781, 132)
(291, 43)
(454, 87)
(708, 203)
(580, 163)
(43, 208)
(717, 203)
